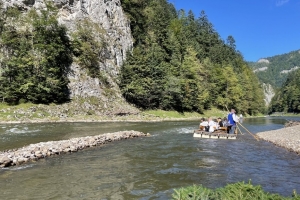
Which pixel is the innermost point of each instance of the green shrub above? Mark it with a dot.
(238, 191)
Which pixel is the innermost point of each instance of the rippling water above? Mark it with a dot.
(145, 168)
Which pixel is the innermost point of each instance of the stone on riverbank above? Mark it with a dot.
(291, 123)
(288, 137)
(40, 150)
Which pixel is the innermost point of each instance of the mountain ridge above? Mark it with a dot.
(274, 70)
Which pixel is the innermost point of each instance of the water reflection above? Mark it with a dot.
(147, 168)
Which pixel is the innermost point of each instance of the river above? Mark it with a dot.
(145, 168)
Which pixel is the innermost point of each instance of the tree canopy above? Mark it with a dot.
(35, 56)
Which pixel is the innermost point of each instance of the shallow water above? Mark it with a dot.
(145, 168)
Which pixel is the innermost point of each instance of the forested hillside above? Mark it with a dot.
(275, 70)
(179, 62)
(287, 98)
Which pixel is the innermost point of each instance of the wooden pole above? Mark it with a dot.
(249, 132)
(239, 130)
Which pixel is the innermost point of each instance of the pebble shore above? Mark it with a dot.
(288, 138)
(40, 150)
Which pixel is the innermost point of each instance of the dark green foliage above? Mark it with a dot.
(36, 57)
(2, 20)
(181, 63)
(287, 98)
(134, 10)
(240, 190)
(144, 84)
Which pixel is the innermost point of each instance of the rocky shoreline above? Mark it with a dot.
(34, 152)
(288, 138)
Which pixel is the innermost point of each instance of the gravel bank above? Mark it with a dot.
(288, 137)
(40, 150)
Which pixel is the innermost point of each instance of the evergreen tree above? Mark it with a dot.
(36, 57)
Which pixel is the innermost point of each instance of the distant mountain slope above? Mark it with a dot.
(287, 98)
(274, 70)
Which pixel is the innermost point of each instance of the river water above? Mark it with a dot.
(145, 168)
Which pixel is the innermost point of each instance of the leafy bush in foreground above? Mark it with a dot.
(239, 191)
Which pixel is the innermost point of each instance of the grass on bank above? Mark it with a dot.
(41, 112)
(177, 115)
(214, 113)
(238, 191)
(18, 106)
(8, 112)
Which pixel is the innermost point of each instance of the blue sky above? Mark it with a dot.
(261, 28)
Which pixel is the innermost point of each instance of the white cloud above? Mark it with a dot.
(281, 2)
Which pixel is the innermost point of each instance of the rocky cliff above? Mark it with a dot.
(93, 94)
(109, 15)
(268, 92)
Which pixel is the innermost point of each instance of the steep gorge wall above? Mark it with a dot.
(89, 96)
(268, 92)
(107, 14)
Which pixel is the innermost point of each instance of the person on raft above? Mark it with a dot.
(212, 125)
(232, 120)
(203, 124)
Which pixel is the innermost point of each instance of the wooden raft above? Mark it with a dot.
(219, 134)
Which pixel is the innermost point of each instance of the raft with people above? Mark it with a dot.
(218, 134)
(216, 129)
(222, 129)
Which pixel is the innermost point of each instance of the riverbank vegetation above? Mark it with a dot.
(213, 112)
(240, 190)
(67, 112)
(180, 62)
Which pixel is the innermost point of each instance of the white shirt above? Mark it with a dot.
(211, 125)
(235, 118)
(205, 123)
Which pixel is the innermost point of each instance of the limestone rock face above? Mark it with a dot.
(269, 93)
(262, 60)
(108, 14)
